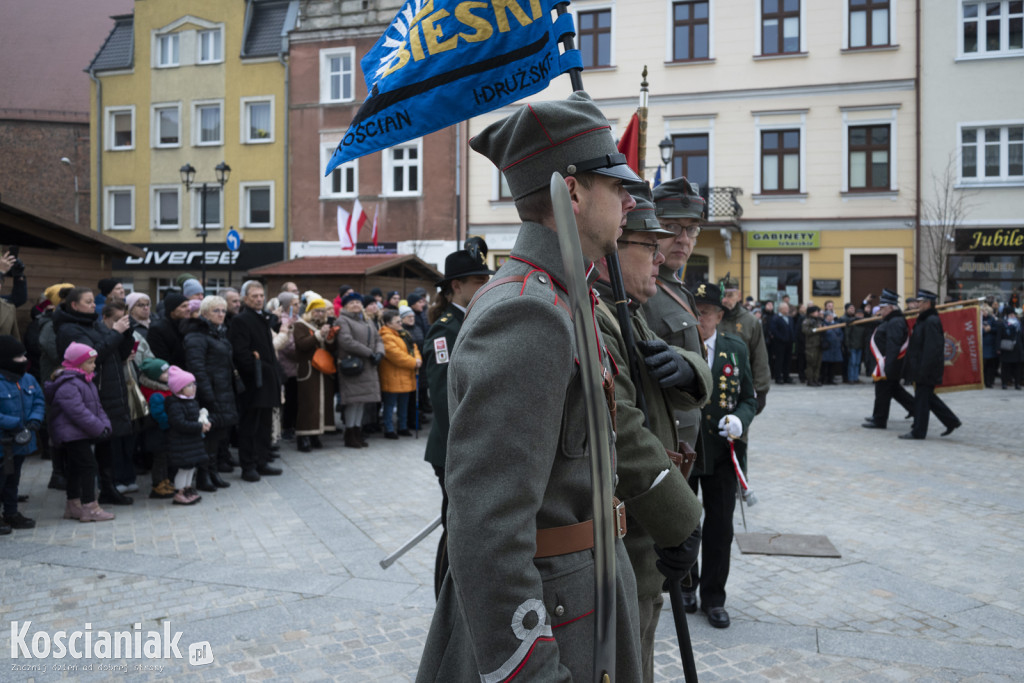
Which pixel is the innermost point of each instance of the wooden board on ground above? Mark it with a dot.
(798, 545)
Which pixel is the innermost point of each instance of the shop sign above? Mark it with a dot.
(379, 248)
(784, 239)
(989, 239)
(178, 256)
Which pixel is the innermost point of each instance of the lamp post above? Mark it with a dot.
(67, 162)
(666, 147)
(188, 174)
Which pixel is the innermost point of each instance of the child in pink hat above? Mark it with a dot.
(77, 420)
(185, 435)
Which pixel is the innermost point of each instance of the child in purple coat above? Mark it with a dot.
(77, 420)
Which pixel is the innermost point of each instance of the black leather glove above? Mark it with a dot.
(34, 425)
(376, 358)
(762, 400)
(105, 434)
(665, 365)
(18, 269)
(675, 563)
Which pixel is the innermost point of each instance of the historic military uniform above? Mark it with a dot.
(926, 363)
(732, 394)
(888, 347)
(740, 322)
(812, 347)
(667, 513)
(437, 348)
(518, 599)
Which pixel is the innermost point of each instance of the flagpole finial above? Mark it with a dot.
(643, 74)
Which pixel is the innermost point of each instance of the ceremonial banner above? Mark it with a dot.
(962, 327)
(629, 144)
(444, 61)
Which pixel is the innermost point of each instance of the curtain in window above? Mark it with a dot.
(259, 121)
(209, 124)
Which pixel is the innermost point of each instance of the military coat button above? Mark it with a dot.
(541, 279)
(559, 611)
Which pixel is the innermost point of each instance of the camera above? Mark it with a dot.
(18, 268)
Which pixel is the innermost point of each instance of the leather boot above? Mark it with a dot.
(363, 443)
(302, 443)
(350, 438)
(109, 495)
(315, 442)
(92, 512)
(203, 482)
(218, 480)
(73, 508)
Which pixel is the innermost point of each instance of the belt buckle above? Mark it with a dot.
(619, 515)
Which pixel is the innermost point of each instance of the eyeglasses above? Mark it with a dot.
(653, 246)
(677, 229)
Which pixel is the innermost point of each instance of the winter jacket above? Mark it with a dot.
(154, 436)
(75, 409)
(926, 353)
(165, 341)
(1012, 332)
(358, 337)
(112, 349)
(398, 368)
(33, 349)
(49, 361)
(834, 352)
(208, 356)
(185, 433)
(21, 401)
(251, 331)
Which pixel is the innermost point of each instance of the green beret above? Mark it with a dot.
(676, 198)
(642, 218)
(570, 136)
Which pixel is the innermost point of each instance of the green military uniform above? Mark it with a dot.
(437, 347)
(741, 323)
(678, 327)
(812, 349)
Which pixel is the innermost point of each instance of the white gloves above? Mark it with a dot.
(730, 427)
(204, 416)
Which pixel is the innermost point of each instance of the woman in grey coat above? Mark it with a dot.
(357, 338)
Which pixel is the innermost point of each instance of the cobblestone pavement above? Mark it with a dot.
(281, 577)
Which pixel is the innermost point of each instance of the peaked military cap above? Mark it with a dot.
(463, 263)
(707, 293)
(729, 282)
(676, 198)
(889, 298)
(570, 136)
(925, 294)
(642, 218)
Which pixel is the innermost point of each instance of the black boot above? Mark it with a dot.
(109, 495)
(58, 480)
(203, 482)
(302, 443)
(218, 480)
(315, 442)
(360, 439)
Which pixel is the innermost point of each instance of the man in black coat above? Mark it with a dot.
(780, 330)
(252, 346)
(165, 337)
(888, 348)
(925, 365)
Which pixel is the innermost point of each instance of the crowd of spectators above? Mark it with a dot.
(111, 385)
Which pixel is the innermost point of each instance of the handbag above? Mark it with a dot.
(323, 362)
(351, 366)
(237, 379)
(1008, 344)
(138, 408)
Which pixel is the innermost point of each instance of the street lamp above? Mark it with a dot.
(188, 174)
(666, 147)
(67, 162)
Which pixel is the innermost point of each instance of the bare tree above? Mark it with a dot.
(941, 215)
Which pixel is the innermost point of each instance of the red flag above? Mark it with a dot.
(961, 327)
(376, 210)
(629, 143)
(357, 220)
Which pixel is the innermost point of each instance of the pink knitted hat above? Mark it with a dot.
(178, 379)
(77, 353)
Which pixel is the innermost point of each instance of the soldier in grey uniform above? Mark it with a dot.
(740, 322)
(664, 514)
(518, 599)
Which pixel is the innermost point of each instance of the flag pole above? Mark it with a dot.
(642, 114)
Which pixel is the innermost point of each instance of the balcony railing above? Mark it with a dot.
(722, 202)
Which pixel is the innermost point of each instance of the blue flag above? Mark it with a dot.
(657, 177)
(444, 61)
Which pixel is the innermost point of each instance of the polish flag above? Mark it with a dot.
(357, 220)
(376, 210)
(344, 236)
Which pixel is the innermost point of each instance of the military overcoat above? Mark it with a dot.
(437, 348)
(889, 342)
(519, 460)
(732, 394)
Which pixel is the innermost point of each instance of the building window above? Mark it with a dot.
(869, 23)
(167, 126)
(121, 128)
(993, 28)
(780, 275)
(120, 208)
(402, 169)
(992, 153)
(166, 209)
(596, 38)
(869, 158)
(780, 161)
(211, 46)
(167, 50)
(780, 27)
(343, 180)
(207, 128)
(337, 79)
(257, 205)
(504, 192)
(691, 30)
(214, 207)
(257, 120)
(690, 158)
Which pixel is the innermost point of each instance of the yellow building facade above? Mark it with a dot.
(195, 84)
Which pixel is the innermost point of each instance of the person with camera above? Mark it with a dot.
(11, 267)
(22, 409)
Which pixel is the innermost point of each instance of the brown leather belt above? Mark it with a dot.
(562, 540)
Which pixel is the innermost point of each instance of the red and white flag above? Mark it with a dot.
(344, 236)
(376, 210)
(357, 220)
